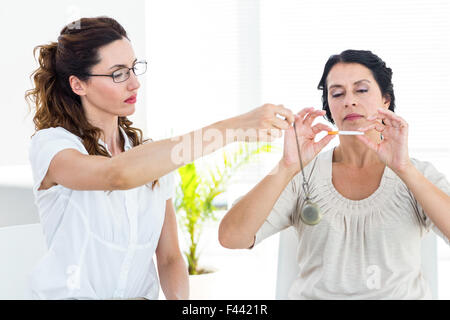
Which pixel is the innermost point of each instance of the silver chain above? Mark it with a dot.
(305, 183)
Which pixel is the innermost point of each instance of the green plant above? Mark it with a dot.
(198, 188)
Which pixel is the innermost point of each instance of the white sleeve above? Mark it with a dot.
(168, 185)
(280, 217)
(45, 144)
(440, 181)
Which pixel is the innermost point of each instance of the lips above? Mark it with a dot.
(131, 99)
(353, 116)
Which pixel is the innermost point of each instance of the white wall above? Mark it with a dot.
(204, 62)
(26, 24)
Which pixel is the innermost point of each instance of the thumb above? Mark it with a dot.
(324, 141)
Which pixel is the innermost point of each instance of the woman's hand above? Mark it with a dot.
(261, 124)
(306, 134)
(393, 149)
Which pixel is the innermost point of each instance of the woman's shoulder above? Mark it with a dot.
(316, 170)
(55, 137)
(425, 167)
(54, 133)
(432, 173)
(322, 162)
(421, 164)
(326, 155)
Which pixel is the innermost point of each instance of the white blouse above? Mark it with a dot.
(366, 249)
(100, 244)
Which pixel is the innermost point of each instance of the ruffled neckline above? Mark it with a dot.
(388, 175)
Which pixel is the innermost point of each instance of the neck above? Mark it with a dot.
(109, 126)
(354, 153)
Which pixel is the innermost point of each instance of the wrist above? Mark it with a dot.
(406, 170)
(224, 127)
(288, 170)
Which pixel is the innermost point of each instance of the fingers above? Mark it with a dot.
(302, 113)
(324, 141)
(269, 135)
(320, 127)
(278, 123)
(389, 118)
(286, 113)
(313, 115)
(377, 126)
(394, 118)
(275, 133)
(305, 116)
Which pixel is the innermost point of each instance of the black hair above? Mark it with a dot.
(381, 73)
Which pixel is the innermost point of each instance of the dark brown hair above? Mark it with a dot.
(75, 53)
(381, 73)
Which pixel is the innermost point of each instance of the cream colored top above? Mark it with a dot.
(366, 249)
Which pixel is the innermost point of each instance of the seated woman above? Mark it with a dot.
(376, 202)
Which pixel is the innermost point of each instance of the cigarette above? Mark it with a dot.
(347, 133)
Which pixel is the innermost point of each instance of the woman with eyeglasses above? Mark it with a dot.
(104, 194)
(360, 209)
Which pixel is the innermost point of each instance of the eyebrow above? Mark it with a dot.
(339, 86)
(122, 65)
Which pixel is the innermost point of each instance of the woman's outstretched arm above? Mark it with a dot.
(148, 162)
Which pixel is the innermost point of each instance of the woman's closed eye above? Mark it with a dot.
(338, 94)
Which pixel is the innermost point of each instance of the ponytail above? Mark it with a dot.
(44, 79)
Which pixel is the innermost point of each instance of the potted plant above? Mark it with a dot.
(200, 184)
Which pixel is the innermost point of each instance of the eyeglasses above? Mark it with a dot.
(123, 74)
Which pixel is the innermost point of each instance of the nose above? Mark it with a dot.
(133, 82)
(350, 100)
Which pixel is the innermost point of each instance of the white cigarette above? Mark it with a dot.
(347, 133)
